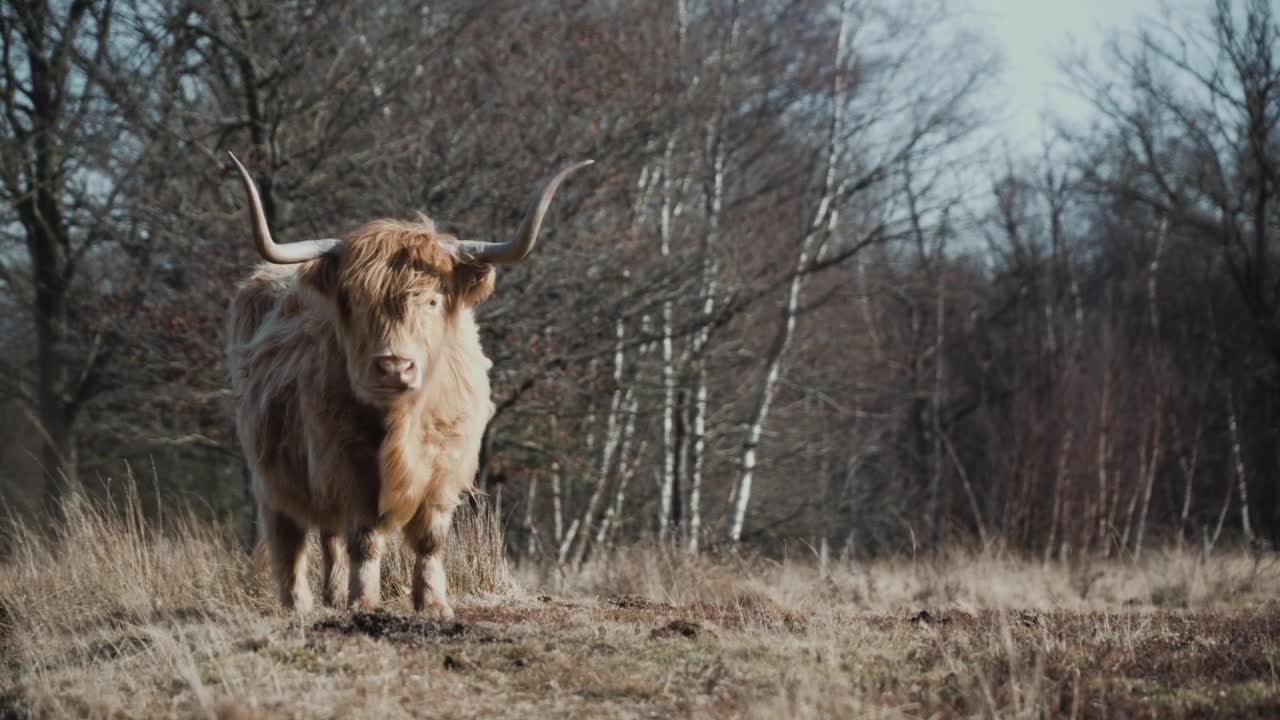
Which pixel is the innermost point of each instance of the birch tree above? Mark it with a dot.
(824, 221)
(714, 152)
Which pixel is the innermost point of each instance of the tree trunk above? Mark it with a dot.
(1237, 456)
(557, 500)
(666, 490)
(625, 470)
(1189, 473)
(1104, 455)
(531, 529)
(1152, 464)
(714, 193)
(935, 414)
(824, 220)
(613, 429)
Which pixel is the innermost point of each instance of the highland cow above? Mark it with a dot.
(361, 393)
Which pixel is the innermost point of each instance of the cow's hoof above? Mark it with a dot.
(436, 611)
(364, 604)
(300, 603)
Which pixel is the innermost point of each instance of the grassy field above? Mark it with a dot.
(112, 618)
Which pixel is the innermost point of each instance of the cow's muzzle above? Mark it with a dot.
(395, 373)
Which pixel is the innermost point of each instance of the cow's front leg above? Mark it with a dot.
(364, 552)
(332, 549)
(428, 532)
(287, 547)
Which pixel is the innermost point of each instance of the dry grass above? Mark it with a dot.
(112, 616)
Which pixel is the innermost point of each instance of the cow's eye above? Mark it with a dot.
(433, 302)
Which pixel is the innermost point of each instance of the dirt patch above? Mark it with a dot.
(767, 615)
(1181, 646)
(13, 706)
(678, 628)
(458, 663)
(559, 615)
(636, 602)
(383, 625)
(639, 611)
(924, 617)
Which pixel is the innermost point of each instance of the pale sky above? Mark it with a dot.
(1033, 33)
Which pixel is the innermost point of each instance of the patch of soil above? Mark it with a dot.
(458, 663)
(552, 615)
(12, 706)
(924, 617)
(1206, 647)
(636, 602)
(738, 615)
(678, 628)
(637, 610)
(381, 624)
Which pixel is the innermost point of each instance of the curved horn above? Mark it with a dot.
(271, 252)
(514, 250)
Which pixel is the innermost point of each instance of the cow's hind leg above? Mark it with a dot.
(364, 551)
(287, 546)
(427, 532)
(332, 548)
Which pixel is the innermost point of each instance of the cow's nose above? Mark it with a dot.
(394, 368)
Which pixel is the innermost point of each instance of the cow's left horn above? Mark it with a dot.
(287, 254)
(514, 250)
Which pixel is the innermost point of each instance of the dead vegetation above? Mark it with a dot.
(114, 616)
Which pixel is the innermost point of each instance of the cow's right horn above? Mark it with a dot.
(514, 250)
(287, 254)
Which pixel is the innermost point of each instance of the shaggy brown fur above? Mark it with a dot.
(327, 449)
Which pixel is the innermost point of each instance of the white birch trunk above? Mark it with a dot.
(825, 219)
(1133, 499)
(628, 463)
(667, 486)
(613, 428)
(670, 208)
(715, 153)
(532, 548)
(1152, 464)
(1238, 455)
(557, 501)
(625, 471)
(709, 271)
(563, 552)
(1104, 458)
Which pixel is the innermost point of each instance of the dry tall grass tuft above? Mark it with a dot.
(108, 615)
(960, 580)
(105, 583)
(475, 559)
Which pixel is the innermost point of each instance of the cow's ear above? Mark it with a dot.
(472, 282)
(321, 274)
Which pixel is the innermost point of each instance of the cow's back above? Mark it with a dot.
(266, 339)
(255, 300)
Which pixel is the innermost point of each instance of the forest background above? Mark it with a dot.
(807, 293)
